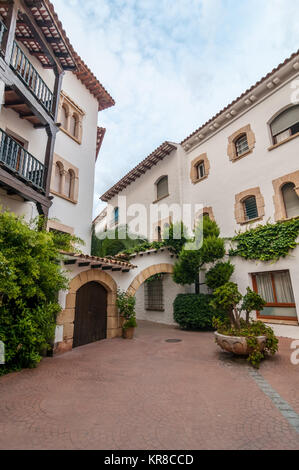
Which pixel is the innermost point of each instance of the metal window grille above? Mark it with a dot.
(242, 145)
(250, 208)
(154, 295)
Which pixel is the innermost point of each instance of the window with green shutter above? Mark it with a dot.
(250, 208)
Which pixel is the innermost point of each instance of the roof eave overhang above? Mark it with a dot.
(155, 157)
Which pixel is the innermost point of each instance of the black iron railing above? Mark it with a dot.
(24, 165)
(23, 67)
(3, 30)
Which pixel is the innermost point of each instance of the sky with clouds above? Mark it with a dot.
(170, 65)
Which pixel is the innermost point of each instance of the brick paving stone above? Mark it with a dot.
(149, 394)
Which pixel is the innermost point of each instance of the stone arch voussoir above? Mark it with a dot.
(148, 272)
(67, 317)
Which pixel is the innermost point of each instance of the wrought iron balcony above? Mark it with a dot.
(3, 29)
(23, 67)
(20, 162)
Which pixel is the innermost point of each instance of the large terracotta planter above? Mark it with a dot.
(128, 333)
(238, 344)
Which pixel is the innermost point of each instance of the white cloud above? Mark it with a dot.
(171, 65)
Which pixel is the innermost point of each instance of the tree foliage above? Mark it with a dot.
(193, 312)
(268, 242)
(113, 242)
(30, 278)
(219, 274)
(190, 262)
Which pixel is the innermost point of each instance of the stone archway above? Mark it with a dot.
(148, 272)
(67, 316)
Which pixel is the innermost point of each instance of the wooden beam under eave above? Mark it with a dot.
(51, 40)
(44, 23)
(39, 35)
(27, 115)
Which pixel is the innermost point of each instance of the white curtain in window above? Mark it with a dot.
(264, 287)
(283, 286)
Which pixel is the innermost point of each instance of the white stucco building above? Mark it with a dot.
(50, 137)
(242, 166)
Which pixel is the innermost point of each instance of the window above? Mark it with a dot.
(154, 294)
(286, 196)
(64, 117)
(69, 184)
(285, 125)
(71, 118)
(200, 168)
(276, 289)
(116, 214)
(74, 125)
(291, 200)
(241, 145)
(162, 187)
(201, 172)
(159, 233)
(64, 179)
(250, 208)
(57, 177)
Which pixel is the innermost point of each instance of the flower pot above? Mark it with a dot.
(238, 344)
(128, 333)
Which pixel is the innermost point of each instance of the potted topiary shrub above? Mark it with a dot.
(126, 306)
(238, 335)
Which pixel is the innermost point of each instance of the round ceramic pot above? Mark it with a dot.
(238, 344)
(128, 333)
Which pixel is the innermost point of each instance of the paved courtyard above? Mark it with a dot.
(150, 394)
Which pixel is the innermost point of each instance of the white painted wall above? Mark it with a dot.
(143, 190)
(260, 168)
(170, 292)
(226, 179)
(79, 216)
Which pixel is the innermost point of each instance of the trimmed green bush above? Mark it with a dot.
(193, 311)
(218, 275)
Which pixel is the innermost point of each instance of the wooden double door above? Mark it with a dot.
(90, 314)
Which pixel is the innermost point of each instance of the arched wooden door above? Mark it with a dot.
(90, 314)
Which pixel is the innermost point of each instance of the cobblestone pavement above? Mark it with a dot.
(149, 394)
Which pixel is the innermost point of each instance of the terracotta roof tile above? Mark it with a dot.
(157, 155)
(82, 71)
(111, 261)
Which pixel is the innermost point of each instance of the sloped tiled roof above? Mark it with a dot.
(47, 21)
(157, 155)
(107, 261)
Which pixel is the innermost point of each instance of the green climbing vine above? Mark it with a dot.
(268, 242)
